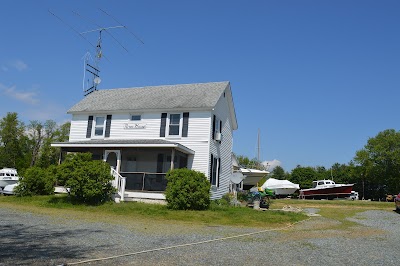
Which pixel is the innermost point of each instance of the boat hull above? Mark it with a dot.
(6, 182)
(284, 191)
(328, 192)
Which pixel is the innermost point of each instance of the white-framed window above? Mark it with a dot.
(215, 170)
(99, 126)
(175, 125)
(136, 117)
(217, 127)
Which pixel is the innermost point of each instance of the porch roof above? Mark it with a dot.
(124, 143)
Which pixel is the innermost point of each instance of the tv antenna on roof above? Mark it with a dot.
(92, 65)
(93, 68)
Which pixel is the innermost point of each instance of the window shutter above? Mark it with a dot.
(108, 126)
(211, 168)
(219, 171)
(220, 129)
(163, 124)
(215, 171)
(160, 159)
(213, 127)
(89, 127)
(185, 124)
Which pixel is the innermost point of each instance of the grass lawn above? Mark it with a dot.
(134, 211)
(59, 206)
(337, 210)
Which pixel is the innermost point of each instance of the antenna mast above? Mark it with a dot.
(94, 68)
(92, 65)
(258, 146)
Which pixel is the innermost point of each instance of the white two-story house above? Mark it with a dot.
(143, 132)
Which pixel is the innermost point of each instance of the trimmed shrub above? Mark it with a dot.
(88, 180)
(73, 161)
(36, 181)
(187, 190)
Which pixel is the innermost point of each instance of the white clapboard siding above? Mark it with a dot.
(222, 150)
(197, 139)
(150, 121)
(78, 128)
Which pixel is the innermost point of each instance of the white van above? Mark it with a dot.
(353, 195)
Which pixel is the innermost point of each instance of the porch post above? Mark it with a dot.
(172, 158)
(118, 162)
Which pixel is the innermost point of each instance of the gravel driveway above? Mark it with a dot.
(31, 239)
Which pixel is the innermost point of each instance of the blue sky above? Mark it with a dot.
(317, 78)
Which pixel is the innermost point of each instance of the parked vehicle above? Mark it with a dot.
(397, 202)
(354, 195)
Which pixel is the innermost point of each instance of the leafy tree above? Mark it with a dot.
(379, 163)
(50, 155)
(187, 190)
(340, 173)
(36, 181)
(304, 176)
(13, 148)
(250, 163)
(36, 135)
(321, 173)
(62, 134)
(279, 173)
(89, 180)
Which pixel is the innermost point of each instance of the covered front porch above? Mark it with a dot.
(139, 167)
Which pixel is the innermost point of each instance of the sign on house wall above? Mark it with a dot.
(128, 126)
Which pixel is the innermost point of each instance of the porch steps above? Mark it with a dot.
(156, 198)
(152, 201)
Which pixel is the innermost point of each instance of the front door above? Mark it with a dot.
(113, 157)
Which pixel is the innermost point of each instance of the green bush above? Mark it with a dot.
(242, 195)
(187, 190)
(88, 180)
(36, 181)
(73, 161)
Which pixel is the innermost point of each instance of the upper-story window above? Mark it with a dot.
(136, 117)
(217, 129)
(99, 125)
(174, 124)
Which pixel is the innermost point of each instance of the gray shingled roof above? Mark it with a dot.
(185, 96)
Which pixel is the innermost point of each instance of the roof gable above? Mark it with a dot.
(181, 96)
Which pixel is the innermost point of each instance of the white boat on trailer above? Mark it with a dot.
(8, 176)
(280, 187)
(9, 189)
(326, 189)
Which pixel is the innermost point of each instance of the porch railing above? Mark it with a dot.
(145, 181)
(119, 183)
